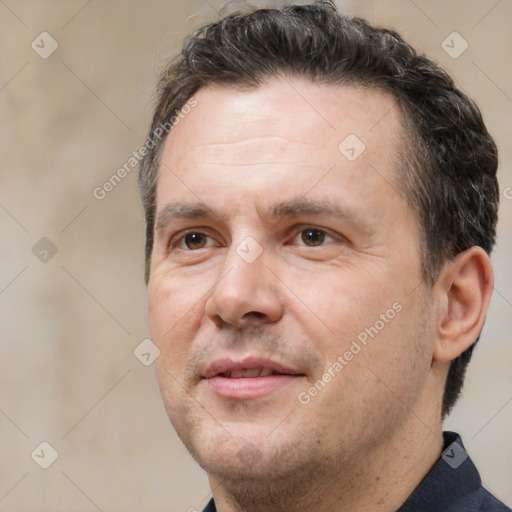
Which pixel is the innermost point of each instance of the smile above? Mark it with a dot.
(249, 378)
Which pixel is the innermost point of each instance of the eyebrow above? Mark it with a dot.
(182, 210)
(303, 206)
(178, 210)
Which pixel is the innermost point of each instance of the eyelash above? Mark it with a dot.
(175, 243)
(178, 241)
(313, 228)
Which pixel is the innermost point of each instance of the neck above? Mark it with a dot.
(380, 481)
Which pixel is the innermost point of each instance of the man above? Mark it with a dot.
(319, 223)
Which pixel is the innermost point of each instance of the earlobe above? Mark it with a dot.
(464, 290)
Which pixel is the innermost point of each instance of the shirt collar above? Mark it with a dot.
(452, 484)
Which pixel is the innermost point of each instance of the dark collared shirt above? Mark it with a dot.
(452, 485)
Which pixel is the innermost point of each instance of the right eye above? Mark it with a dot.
(194, 240)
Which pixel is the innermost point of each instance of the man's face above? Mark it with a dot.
(285, 294)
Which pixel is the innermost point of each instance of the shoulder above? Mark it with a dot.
(490, 503)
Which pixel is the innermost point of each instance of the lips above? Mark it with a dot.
(253, 372)
(248, 378)
(248, 367)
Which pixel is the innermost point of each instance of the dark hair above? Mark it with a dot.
(448, 160)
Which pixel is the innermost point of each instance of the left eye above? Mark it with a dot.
(312, 237)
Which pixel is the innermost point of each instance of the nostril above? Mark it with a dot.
(257, 314)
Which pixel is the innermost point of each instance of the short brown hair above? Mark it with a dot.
(449, 160)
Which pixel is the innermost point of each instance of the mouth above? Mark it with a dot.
(248, 378)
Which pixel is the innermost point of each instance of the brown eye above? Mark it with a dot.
(312, 237)
(195, 240)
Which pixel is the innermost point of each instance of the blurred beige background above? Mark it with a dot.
(71, 319)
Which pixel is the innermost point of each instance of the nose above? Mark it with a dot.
(247, 293)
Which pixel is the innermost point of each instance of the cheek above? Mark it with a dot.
(378, 380)
(340, 304)
(369, 321)
(174, 315)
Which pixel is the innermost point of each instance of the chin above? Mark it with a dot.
(249, 454)
(249, 464)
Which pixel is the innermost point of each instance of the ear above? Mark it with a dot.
(464, 289)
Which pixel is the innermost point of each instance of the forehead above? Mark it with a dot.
(292, 108)
(287, 135)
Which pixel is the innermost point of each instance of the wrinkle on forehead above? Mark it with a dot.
(262, 150)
